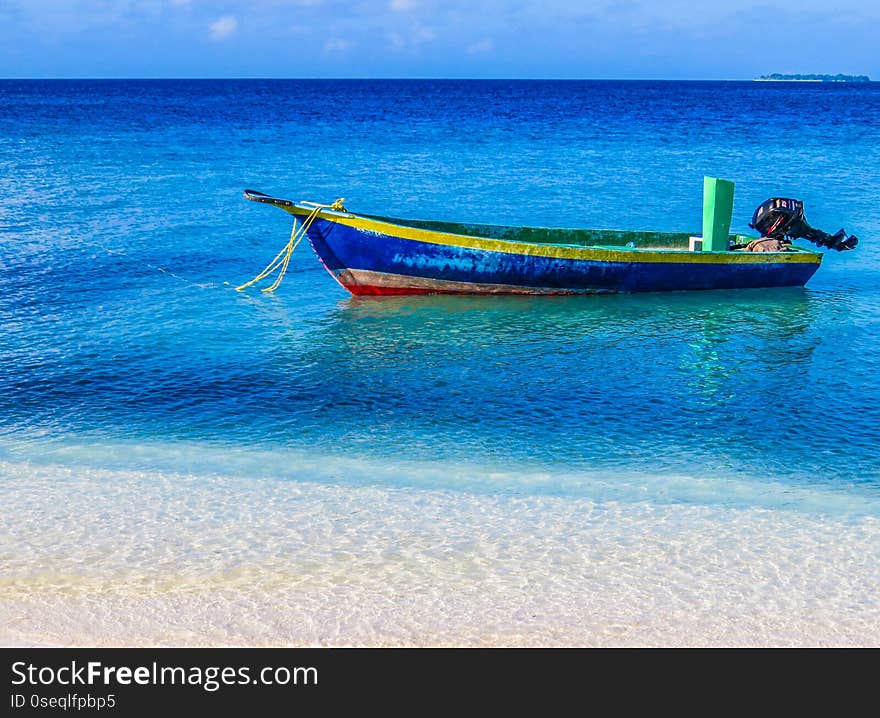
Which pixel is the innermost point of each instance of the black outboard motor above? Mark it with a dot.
(778, 218)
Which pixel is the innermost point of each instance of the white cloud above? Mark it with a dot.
(223, 27)
(484, 45)
(401, 5)
(337, 44)
(413, 40)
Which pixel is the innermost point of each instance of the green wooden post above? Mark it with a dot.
(717, 212)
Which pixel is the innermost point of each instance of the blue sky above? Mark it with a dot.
(437, 38)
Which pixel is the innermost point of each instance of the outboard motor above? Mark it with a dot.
(778, 218)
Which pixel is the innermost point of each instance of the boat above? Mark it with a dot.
(374, 255)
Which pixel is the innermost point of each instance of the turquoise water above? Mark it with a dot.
(128, 361)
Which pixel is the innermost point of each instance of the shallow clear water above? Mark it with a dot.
(127, 359)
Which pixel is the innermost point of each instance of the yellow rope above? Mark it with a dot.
(282, 259)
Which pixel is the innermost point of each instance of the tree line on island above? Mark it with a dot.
(816, 78)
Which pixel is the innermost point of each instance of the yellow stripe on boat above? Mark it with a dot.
(618, 254)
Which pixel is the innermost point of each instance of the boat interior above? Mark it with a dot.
(562, 236)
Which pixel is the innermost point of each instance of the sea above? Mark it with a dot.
(185, 464)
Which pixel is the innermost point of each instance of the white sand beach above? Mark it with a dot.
(128, 558)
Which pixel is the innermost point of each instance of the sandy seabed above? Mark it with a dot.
(128, 558)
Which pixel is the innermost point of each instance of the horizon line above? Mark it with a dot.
(399, 79)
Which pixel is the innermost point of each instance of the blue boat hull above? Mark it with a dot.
(367, 261)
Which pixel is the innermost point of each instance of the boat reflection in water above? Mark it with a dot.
(670, 382)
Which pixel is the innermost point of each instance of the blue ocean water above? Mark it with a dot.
(181, 463)
(122, 231)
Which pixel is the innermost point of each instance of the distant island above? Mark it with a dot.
(777, 77)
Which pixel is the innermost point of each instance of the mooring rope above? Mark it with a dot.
(282, 259)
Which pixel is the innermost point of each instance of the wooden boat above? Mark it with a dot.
(374, 255)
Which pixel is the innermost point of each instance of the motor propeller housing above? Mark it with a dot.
(780, 217)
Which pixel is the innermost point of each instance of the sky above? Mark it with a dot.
(628, 39)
